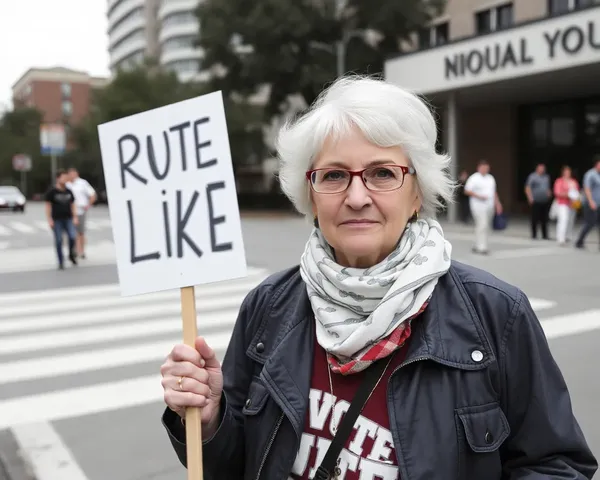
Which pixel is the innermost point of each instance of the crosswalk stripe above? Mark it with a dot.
(22, 227)
(90, 335)
(42, 225)
(45, 453)
(4, 232)
(54, 311)
(68, 293)
(78, 401)
(48, 367)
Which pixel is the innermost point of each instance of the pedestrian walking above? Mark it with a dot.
(566, 194)
(538, 192)
(61, 214)
(591, 202)
(85, 197)
(484, 203)
(377, 356)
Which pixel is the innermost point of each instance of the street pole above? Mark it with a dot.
(452, 139)
(53, 169)
(340, 51)
(340, 47)
(23, 183)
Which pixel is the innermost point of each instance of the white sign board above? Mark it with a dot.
(172, 197)
(53, 139)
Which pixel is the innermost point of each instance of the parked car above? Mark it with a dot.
(11, 198)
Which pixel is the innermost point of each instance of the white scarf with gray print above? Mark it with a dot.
(355, 308)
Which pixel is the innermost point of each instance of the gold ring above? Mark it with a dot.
(179, 382)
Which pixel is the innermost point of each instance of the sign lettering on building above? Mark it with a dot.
(570, 40)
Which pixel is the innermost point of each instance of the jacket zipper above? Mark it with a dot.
(412, 360)
(269, 445)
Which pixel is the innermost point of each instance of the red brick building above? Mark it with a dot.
(63, 95)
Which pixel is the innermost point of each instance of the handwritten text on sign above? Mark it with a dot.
(172, 197)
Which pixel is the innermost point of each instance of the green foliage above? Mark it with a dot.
(292, 42)
(20, 134)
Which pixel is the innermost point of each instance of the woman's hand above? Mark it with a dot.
(192, 378)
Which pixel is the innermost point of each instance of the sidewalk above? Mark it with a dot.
(519, 227)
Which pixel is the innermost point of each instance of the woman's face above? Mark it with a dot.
(361, 225)
(567, 173)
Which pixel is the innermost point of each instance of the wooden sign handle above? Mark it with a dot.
(193, 425)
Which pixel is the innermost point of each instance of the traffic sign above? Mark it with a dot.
(21, 163)
(53, 139)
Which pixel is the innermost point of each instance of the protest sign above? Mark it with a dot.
(172, 198)
(174, 211)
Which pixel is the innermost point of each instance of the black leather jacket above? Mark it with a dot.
(505, 414)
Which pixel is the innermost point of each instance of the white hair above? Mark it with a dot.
(387, 115)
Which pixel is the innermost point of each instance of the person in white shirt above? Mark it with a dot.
(85, 196)
(484, 203)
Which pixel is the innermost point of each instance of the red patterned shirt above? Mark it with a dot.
(369, 452)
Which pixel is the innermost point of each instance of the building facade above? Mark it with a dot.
(515, 83)
(61, 94)
(132, 32)
(162, 30)
(178, 31)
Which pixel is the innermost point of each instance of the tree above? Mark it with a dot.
(289, 44)
(20, 134)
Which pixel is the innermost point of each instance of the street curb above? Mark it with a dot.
(12, 464)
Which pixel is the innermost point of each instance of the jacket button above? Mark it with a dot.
(489, 438)
(260, 348)
(477, 356)
(249, 402)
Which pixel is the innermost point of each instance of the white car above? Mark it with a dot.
(11, 198)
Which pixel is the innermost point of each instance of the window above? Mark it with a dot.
(592, 124)
(440, 34)
(483, 22)
(539, 131)
(492, 19)
(585, 3)
(176, 43)
(179, 18)
(65, 89)
(433, 36)
(558, 7)
(67, 108)
(184, 67)
(562, 131)
(424, 40)
(504, 16)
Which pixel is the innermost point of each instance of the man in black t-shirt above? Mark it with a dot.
(62, 216)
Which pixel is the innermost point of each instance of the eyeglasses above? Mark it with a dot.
(378, 178)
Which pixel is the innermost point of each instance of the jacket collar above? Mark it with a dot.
(449, 332)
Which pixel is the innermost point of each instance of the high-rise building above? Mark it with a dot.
(178, 30)
(514, 82)
(161, 30)
(132, 32)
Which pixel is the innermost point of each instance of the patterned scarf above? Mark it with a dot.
(363, 315)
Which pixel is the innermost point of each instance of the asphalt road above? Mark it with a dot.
(79, 365)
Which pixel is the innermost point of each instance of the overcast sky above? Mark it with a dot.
(48, 33)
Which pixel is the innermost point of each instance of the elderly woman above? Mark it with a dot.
(377, 357)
